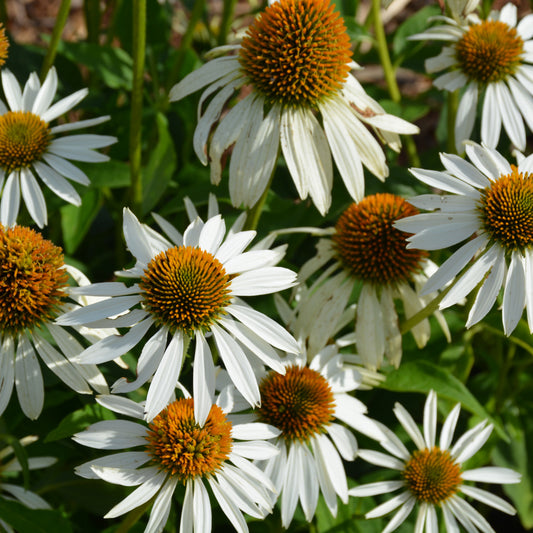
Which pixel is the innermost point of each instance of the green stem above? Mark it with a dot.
(430, 308)
(390, 74)
(225, 24)
(61, 19)
(138, 49)
(453, 104)
(91, 9)
(133, 517)
(186, 40)
(501, 395)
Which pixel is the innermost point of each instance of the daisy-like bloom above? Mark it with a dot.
(433, 476)
(176, 450)
(188, 287)
(366, 249)
(31, 149)
(491, 60)
(490, 209)
(308, 405)
(4, 45)
(10, 466)
(33, 292)
(296, 61)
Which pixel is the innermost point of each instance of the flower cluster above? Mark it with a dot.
(224, 392)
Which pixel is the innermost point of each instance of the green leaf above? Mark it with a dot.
(25, 520)
(161, 166)
(76, 221)
(78, 421)
(112, 174)
(423, 376)
(416, 23)
(113, 65)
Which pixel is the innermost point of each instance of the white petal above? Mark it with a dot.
(448, 428)
(466, 116)
(139, 496)
(488, 292)
(390, 505)
(344, 440)
(57, 183)
(67, 169)
(162, 505)
(33, 197)
(401, 515)
(464, 170)
(12, 90)
(205, 75)
(228, 506)
(379, 487)
(514, 295)
(46, 93)
(491, 120)
(262, 281)
(511, 117)
(237, 365)
(166, 377)
(306, 152)
(491, 474)
(10, 203)
(203, 380)
(472, 446)
(112, 435)
(7, 371)
(201, 508)
(264, 326)
(64, 105)
(28, 379)
(430, 419)
(470, 279)
(121, 405)
(254, 430)
(489, 499)
(381, 459)
(406, 420)
(443, 181)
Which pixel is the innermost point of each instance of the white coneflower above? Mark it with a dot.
(33, 293)
(175, 450)
(296, 59)
(32, 150)
(490, 208)
(491, 60)
(433, 476)
(189, 287)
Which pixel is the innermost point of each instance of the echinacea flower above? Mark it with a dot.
(491, 60)
(433, 476)
(30, 148)
(296, 61)
(33, 292)
(311, 404)
(188, 287)
(11, 466)
(490, 208)
(175, 450)
(365, 248)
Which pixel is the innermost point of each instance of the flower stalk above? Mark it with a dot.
(61, 19)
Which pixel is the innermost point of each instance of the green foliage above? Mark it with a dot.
(25, 520)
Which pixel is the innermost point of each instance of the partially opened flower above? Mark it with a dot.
(309, 405)
(33, 292)
(433, 476)
(366, 249)
(490, 208)
(296, 60)
(188, 287)
(10, 466)
(173, 451)
(491, 59)
(32, 150)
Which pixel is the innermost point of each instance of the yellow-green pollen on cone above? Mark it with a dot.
(185, 288)
(489, 52)
(24, 138)
(32, 280)
(432, 476)
(506, 210)
(180, 447)
(368, 245)
(296, 53)
(299, 403)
